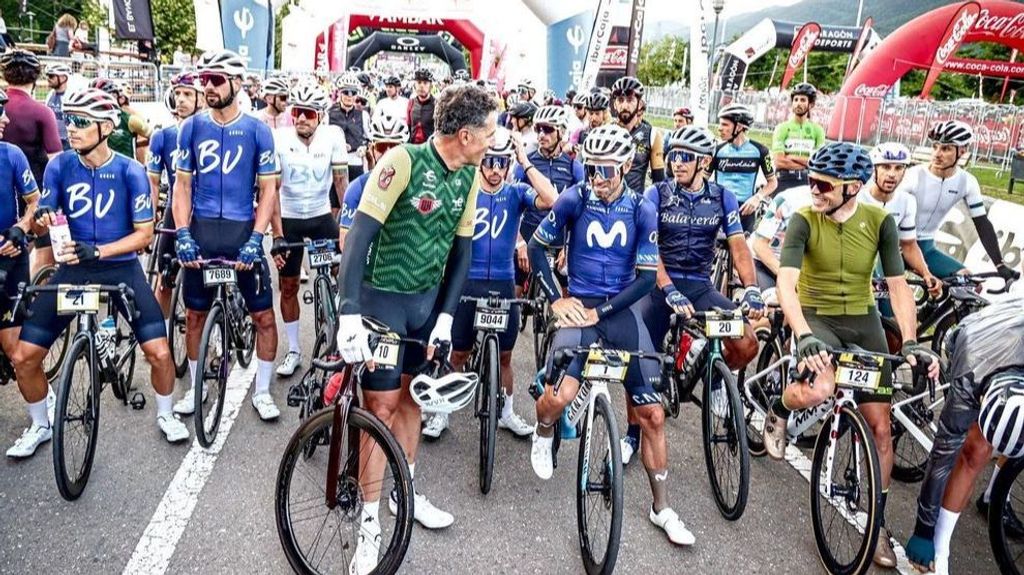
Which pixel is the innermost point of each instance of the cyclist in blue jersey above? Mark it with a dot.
(160, 159)
(499, 207)
(225, 164)
(386, 132)
(738, 160)
(613, 258)
(105, 197)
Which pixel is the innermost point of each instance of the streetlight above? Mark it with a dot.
(717, 6)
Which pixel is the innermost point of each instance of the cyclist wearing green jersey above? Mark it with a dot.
(796, 139)
(829, 254)
(406, 258)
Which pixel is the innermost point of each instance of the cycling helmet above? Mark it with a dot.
(737, 114)
(503, 144)
(18, 57)
(221, 62)
(556, 116)
(1001, 417)
(185, 80)
(347, 81)
(309, 95)
(92, 103)
(609, 142)
(444, 394)
(462, 74)
(890, 153)
(387, 128)
(628, 84)
(805, 89)
(354, 69)
(598, 101)
(579, 100)
(951, 132)
(392, 81)
(364, 78)
(841, 161)
(684, 112)
(526, 85)
(276, 86)
(525, 110)
(58, 69)
(109, 86)
(693, 138)
(423, 75)
(170, 103)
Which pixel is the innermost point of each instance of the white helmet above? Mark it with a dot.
(221, 62)
(1001, 417)
(347, 81)
(556, 116)
(58, 69)
(276, 86)
(309, 95)
(526, 84)
(693, 138)
(92, 103)
(890, 153)
(952, 132)
(503, 144)
(446, 394)
(387, 128)
(608, 142)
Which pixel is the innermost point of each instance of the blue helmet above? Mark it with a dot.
(842, 161)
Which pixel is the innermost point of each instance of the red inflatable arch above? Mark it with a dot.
(912, 46)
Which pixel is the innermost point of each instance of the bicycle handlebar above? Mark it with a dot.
(126, 293)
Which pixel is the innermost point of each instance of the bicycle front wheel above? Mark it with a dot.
(325, 311)
(212, 367)
(725, 441)
(320, 539)
(75, 422)
(1006, 495)
(599, 490)
(846, 493)
(487, 410)
(176, 328)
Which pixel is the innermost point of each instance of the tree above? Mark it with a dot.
(661, 62)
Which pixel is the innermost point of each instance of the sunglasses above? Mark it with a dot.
(545, 129)
(78, 122)
(382, 147)
(3, 107)
(307, 113)
(606, 172)
(825, 186)
(349, 92)
(217, 80)
(578, 106)
(680, 156)
(497, 162)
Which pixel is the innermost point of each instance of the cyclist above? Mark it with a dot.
(386, 132)
(981, 417)
(521, 122)
(57, 75)
(597, 115)
(613, 255)
(393, 104)
(355, 124)
(796, 139)
(829, 256)
(274, 94)
(682, 117)
(629, 106)
(579, 107)
(310, 157)
(417, 215)
(938, 187)
(526, 90)
(213, 213)
(420, 116)
(106, 237)
(131, 134)
(738, 160)
(499, 206)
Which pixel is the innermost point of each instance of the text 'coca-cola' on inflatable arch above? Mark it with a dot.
(926, 42)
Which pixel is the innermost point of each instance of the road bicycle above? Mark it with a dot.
(543, 318)
(322, 256)
(171, 277)
(1006, 495)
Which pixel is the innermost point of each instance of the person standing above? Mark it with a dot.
(797, 138)
(62, 33)
(57, 77)
(355, 123)
(275, 97)
(392, 104)
(421, 108)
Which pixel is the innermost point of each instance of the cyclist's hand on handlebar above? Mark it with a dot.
(753, 302)
(186, 248)
(279, 251)
(353, 340)
(814, 353)
(441, 334)
(915, 353)
(677, 301)
(251, 251)
(934, 285)
(1007, 273)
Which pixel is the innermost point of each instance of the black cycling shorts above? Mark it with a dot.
(219, 238)
(463, 334)
(16, 272)
(865, 331)
(408, 315)
(322, 227)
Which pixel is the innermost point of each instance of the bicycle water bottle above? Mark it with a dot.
(694, 349)
(105, 335)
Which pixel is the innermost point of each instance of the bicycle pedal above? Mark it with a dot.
(307, 297)
(138, 401)
(296, 395)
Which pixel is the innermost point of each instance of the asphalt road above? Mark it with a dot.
(218, 516)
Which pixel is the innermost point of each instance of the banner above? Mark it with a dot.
(636, 32)
(298, 44)
(959, 25)
(802, 46)
(700, 103)
(209, 35)
(988, 68)
(248, 28)
(861, 41)
(133, 20)
(600, 33)
(567, 45)
(1006, 80)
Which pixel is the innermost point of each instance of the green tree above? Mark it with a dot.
(661, 62)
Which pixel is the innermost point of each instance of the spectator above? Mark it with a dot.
(421, 109)
(393, 104)
(63, 32)
(4, 35)
(181, 59)
(682, 117)
(354, 123)
(80, 43)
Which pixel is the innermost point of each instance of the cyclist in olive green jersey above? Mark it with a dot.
(406, 258)
(797, 138)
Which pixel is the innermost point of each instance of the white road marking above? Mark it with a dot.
(153, 553)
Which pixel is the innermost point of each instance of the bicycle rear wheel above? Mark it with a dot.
(487, 409)
(176, 328)
(325, 317)
(540, 336)
(212, 366)
(124, 353)
(725, 442)
(318, 539)
(1008, 552)
(599, 490)
(75, 422)
(845, 500)
(248, 339)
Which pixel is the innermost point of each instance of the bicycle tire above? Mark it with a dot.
(362, 424)
(487, 409)
(733, 436)
(853, 427)
(764, 391)
(72, 479)
(248, 338)
(176, 329)
(610, 488)
(124, 352)
(212, 371)
(909, 458)
(325, 320)
(1000, 496)
(54, 358)
(947, 323)
(314, 401)
(540, 335)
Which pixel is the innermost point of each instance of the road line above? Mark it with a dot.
(153, 553)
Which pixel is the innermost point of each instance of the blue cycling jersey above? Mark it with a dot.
(688, 225)
(563, 172)
(16, 176)
(163, 154)
(736, 168)
(349, 204)
(496, 227)
(102, 204)
(225, 161)
(607, 242)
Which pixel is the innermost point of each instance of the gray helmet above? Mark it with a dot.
(693, 138)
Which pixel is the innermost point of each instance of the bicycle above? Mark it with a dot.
(171, 277)
(322, 255)
(600, 453)
(490, 318)
(1008, 552)
(722, 415)
(543, 318)
(55, 356)
(228, 328)
(310, 512)
(84, 374)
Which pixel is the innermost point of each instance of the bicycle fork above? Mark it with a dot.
(340, 444)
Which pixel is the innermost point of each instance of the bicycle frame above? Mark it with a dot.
(934, 401)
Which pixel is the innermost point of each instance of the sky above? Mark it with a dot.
(670, 9)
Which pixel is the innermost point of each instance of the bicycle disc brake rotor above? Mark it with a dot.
(350, 498)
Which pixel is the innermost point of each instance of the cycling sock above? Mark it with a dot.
(944, 532)
(991, 482)
(264, 370)
(506, 408)
(164, 403)
(192, 372)
(779, 409)
(291, 328)
(547, 428)
(659, 488)
(881, 508)
(633, 432)
(39, 413)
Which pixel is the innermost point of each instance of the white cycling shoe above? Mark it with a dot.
(29, 441)
(517, 425)
(629, 448)
(172, 427)
(673, 526)
(291, 362)
(187, 404)
(424, 512)
(265, 406)
(434, 426)
(367, 554)
(720, 402)
(540, 456)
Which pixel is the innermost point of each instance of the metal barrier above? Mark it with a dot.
(142, 78)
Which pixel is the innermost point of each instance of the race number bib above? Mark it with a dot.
(386, 352)
(865, 375)
(218, 276)
(73, 300)
(320, 259)
(721, 328)
(599, 367)
(491, 318)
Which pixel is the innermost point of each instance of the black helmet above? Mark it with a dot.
(363, 78)
(597, 101)
(423, 75)
(19, 57)
(805, 89)
(627, 84)
(523, 110)
(737, 114)
(392, 81)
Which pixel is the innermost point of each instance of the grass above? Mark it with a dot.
(993, 184)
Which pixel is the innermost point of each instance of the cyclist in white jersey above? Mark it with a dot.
(938, 187)
(312, 155)
(770, 233)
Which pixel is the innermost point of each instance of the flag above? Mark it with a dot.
(636, 32)
(699, 98)
(599, 34)
(248, 27)
(961, 23)
(133, 20)
(862, 40)
(803, 43)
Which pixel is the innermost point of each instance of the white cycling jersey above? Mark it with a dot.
(772, 226)
(307, 172)
(902, 207)
(936, 197)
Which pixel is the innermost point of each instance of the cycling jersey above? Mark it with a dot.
(936, 197)
(15, 176)
(649, 154)
(772, 226)
(307, 172)
(103, 204)
(797, 138)
(495, 230)
(282, 120)
(836, 260)
(562, 171)
(54, 101)
(128, 130)
(688, 226)
(353, 194)
(32, 128)
(607, 242)
(901, 207)
(225, 161)
(422, 206)
(163, 154)
(736, 167)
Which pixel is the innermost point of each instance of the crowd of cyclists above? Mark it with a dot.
(440, 189)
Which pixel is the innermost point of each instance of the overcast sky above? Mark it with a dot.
(670, 9)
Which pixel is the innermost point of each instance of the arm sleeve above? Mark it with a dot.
(51, 137)
(975, 203)
(797, 234)
(186, 161)
(456, 272)
(386, 183)
(138, 188)
(24, 181)
(353, 194)
(467, 223)
(888, 248)
(353, 261)
(989, 240)
(154, 157)
(731, 222)
(267, 162)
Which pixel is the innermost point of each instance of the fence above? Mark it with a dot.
(142, 78)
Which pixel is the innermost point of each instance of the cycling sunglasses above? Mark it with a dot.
(307, 113)
(217, 80)
(825, 186)
(78, 122)
(496, 162)
(350, 92)
(680, 156)
(545, 129)
(606, 172)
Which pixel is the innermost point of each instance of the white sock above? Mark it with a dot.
(164, 403)
(991, 482)
(506, 409)
(371, 510)
(264, 370)
(412, 470)
(192, 372)
(38, 412)
(291, 328)
(944, 532)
